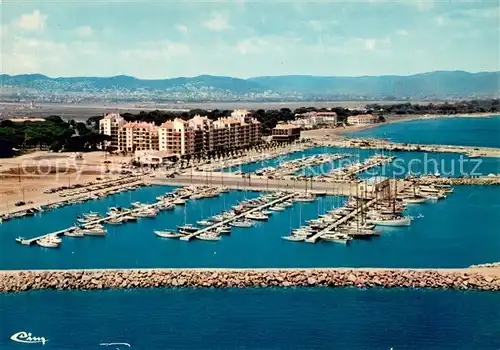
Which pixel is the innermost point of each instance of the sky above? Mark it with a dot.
(157, 39)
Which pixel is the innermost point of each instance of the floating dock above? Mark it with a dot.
(118, 215)
(239, 216)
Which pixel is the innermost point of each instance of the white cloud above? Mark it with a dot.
(373, 44)
(440, 21)
(370, 44)
(315, 25)
(402, 32)
(182, 28)
(84, 31)
(217, 22)
(32, 21)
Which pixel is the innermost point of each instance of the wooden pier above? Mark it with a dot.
(239, 216)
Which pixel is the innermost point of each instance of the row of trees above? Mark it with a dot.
(53, 134)
(460, 107)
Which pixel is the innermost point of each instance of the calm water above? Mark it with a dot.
(456, 232)
(418, 163)
(254, 319)
(481, 132)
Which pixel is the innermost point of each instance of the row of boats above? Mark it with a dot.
(242, 215)
(359, 218)
(228, 163)
(91, 224)
(359, 167)
(295, 165)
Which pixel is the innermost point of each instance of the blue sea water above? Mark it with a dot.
(479, 132)
(456, 232)
(418, 163)
(316, 318)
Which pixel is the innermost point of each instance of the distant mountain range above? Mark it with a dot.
(437, 84)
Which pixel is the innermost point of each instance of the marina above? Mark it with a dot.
(117, 216)
(433, 236)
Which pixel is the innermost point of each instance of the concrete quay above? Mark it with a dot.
(237, 182)
(463, 279)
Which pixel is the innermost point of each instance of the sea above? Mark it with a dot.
(459, 131)
(456, 232)
(315, 318)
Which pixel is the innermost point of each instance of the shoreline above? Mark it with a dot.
(472, 278)
(411, 117)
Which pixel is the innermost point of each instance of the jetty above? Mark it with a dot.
(115, 216)
(340, 221)
(239, 216)
(358, 168)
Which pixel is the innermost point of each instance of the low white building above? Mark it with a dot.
(153, 157)
(362, 119)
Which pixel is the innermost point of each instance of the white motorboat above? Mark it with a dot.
(337, 238)
(46, 242)
(415, 200)
(267, 212)
(208, 237)
(394, 221)
(55, 238)
(188, 228)
(167, 234)
(92, 216)
(294, 238)
(93, 231)
(137, 204)
(256, 216)
(150, 213)
(217, 218)
(83, 220)
(179, 201)
(204, 223)
(226, 230)
(115, 221)
(305, 197)
(74, 233)
(277, 208)
(242, 223)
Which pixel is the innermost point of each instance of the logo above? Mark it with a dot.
(28, 338)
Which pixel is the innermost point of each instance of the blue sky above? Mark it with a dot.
(161, 39)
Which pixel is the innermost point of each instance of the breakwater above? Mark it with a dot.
(483, 180)
(464, 279)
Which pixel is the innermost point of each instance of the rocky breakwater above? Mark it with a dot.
(483, 180)
(17, 281)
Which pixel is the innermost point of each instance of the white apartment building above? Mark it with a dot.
(310, 120)
(110, 125)
(362, 119)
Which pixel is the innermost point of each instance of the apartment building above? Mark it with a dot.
(197, 135)
(110, 125)
(137, 136)
(176, 137)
